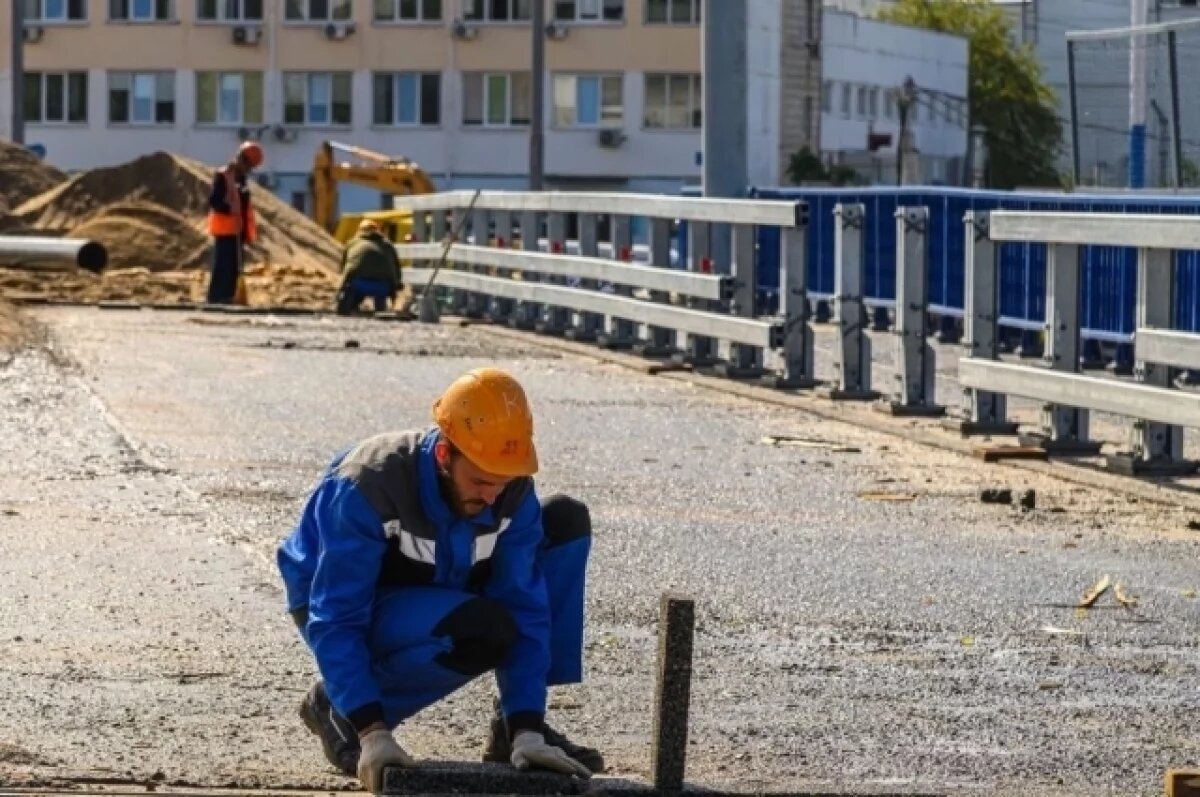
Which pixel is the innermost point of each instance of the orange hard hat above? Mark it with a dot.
(252, 152)
(485, 414)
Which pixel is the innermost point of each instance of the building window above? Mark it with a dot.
(588, 101)
(847, 89)
(827, 96)
(318, 10)
(229, 10)
(589, 10)
(56, 97)
(229, 98)
(408, 98)
(141, 98)
(317, 98)
(673, 12)
(141, 10)
(496, 99)
(673, 102)
(408, 10)
(41, 11)
(497, 10)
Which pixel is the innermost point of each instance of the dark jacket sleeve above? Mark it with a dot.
(216, 198)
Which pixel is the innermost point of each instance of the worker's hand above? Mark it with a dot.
(530, 750)
(379, 749)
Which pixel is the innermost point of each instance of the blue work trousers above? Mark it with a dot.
(419, 634)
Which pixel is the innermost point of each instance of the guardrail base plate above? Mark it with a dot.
(581, 335)
(969, 428)
(999, 453)
(839, 394)
(613, 342)
(1128, 464)
(1060, 448)
(790, 382)
(902, 410)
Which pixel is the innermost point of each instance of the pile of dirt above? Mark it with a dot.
(118, 202)
(130, 230)
(23, 176)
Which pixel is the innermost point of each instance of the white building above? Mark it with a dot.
(865, 63)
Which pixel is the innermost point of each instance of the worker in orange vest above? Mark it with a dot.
(231, 223)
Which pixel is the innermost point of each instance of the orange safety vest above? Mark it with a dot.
(221, 224)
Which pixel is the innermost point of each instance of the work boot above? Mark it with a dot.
(339, 740)
(499, 749)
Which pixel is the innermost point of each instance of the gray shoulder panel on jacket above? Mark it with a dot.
(384, 468)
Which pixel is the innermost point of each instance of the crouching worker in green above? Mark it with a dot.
(370, 269)
(424, 559)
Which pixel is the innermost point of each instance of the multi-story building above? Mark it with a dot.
(443, 82)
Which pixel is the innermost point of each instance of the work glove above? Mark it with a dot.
(379, 749)
(529, 749)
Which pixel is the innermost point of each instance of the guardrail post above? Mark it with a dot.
(528, 313)
(915, 359)
(853, 350)
(1064, 429)
(500, 309)
(742, 361)
(658, 342)
(477, 227)
(798, 369)
(699, 350)
(1157, 448)
(555, 320)
(618, 332)
(587, 325)
(985, 411)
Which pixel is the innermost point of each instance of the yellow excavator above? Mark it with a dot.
(392, 176)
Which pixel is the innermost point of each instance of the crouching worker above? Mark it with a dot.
(370, 268)
(424, 559)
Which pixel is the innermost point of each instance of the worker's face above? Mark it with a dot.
(470, 490)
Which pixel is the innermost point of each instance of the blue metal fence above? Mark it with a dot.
(1109, 273)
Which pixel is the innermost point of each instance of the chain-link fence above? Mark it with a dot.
(1128, 86)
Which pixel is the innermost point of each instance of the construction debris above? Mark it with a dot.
(1028, 499)
(1092, 595)
(995, 496)
(1128, 601)
(885, 496)
(808, 442)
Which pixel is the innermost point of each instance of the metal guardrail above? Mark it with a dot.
(702, 312)
(1159, 410)
(711, 319)
(36, 253)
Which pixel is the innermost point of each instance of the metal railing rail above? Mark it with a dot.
(1158, 409)
(588, 297)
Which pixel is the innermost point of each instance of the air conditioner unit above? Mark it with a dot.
(247, 34)
(462, 30)
(338, 30)
(610, 138)
(557, 30)
(34, 33)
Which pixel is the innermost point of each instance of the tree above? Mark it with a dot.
(1007, 93)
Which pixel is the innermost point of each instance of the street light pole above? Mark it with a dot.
(17, 59)
(537, 155)
(904, 103)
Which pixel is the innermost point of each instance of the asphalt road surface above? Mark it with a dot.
(865, 623)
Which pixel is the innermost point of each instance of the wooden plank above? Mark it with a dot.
(1000, 453)
(1183, 783)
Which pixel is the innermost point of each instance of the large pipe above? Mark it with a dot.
(52, 254)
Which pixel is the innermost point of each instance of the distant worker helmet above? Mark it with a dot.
(368, 225)
(485, 415)
(251, 152)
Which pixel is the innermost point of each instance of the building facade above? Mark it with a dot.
(865, 65)
(443, 82)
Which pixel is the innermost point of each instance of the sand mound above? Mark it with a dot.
(23, 175)
(182, 186)
(131, 231)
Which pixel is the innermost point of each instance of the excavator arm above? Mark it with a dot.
(397, 176)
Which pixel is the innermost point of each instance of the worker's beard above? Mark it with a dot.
(458, 505)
